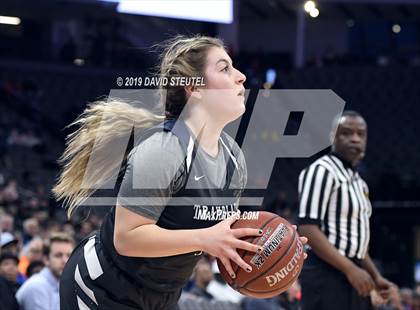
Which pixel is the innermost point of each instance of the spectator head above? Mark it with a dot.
(33, 203)
(34, 267)
(35, 248)
(417, 289)
(31, 227)
(203, 273)
(41, 216)
(57, 250)
(10, 192)
(54, 227)
(8, 243)
(9, 266)
(68, 228)
(6, 223)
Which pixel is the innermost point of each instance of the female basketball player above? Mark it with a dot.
(179, 178)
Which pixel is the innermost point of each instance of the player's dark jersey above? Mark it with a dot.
(194, 203)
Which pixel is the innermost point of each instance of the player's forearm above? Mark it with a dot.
(153, 241)
(370, 267)
(324, 249)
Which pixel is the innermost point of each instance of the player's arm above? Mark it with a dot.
(139, 236)
(143, 196)
(315, 187)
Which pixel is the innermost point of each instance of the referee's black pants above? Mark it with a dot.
(326, 288)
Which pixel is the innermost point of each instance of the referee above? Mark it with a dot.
(334, 212)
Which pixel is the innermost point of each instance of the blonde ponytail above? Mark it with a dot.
(102, 126)
(92, 156)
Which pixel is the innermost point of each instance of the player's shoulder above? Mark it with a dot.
(164, 140)
(159, 145)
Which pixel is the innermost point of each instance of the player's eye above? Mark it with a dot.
(225, 69)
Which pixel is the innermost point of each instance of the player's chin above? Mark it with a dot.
(240, 103)
(233, 110)
(237, 112)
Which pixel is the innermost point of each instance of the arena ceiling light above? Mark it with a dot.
(396, 28)
(314, 13)
(216, 11)
(311, 9)
(309, 6)
(10, 20)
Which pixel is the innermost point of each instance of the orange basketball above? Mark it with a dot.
(277, 267)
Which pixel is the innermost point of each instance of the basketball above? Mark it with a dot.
(277, 267)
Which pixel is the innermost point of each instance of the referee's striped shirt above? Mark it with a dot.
(334, 196)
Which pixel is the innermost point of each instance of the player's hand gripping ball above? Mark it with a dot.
(279, 264)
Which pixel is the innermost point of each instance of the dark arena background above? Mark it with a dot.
(58, 55)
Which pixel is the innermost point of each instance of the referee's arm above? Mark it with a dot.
(315, 186)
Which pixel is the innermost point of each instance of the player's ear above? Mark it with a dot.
(193, 92)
